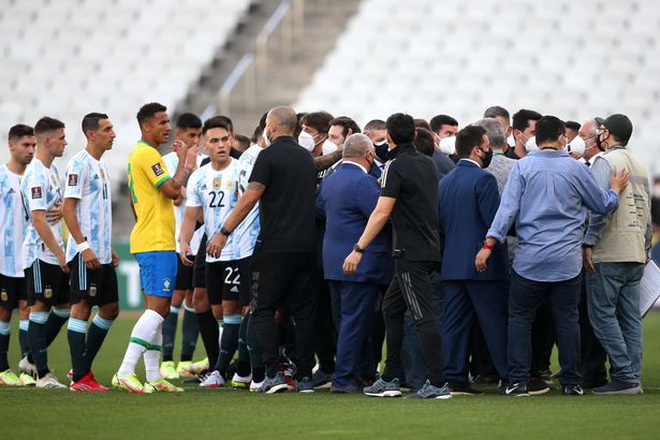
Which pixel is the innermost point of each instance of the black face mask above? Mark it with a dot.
(381, 152)
(600, 144)
(489, 157)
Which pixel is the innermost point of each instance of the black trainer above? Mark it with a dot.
(572, 390)
(537, 386)
(517, 389)
(463, 389)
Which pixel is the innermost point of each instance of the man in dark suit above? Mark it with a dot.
(467, 203)
(346, 199)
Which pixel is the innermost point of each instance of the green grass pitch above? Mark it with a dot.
(227, 413)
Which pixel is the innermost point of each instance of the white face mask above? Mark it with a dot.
(448, 145)
(329, 147)
(530, 145)
(306, 141)
(577, 146)
(266, 140)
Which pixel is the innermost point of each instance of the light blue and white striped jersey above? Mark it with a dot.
(172, 161)
(13, 225)
(41, 191)
(245, 235)
(88, 181)
(214, 191)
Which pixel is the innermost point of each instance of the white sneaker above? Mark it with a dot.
(213, 380)
(240, 381)
(50, 382)
(26, 367)
(254, 386)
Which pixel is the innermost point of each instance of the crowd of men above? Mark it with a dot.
(298, 252)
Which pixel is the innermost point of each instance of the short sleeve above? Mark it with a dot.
(391, 181)
(153, 166)
(194, 197)
(74, 180)
(36, 188)
(261, 169)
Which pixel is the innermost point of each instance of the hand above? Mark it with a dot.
(351, 263)
(619, 181)
(115, 259)
(55, 214)
(482, 258)
(191, 157)
(184, 251)
(61, 260)
(588, 260)
(215, 245)
(180, 148)
(89, 257)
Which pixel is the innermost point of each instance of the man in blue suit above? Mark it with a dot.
(467, 202)
(346, 199)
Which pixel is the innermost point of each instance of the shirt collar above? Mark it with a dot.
(470, 160)
(348, 162)
(401, 149)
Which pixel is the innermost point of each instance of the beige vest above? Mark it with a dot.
(623, 237)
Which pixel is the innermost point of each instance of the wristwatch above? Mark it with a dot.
(358, 249)
(224, 231)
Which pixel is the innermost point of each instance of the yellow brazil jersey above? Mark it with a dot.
(154, 230)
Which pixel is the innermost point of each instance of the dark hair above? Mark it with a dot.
(317, 120)
(440, 120)
(468, 138)
(522, 117)
(298, 129)
(424, 141)
(375, 124)
(572, 125)
(422, 123)
(217, 122)
(46, 125)
(91, 122)
(549, 128)
(256, 134)
(243, 140)
(346, 124)
(495, 111)
(401, 128)
(148, 111)
(186, 121)
(20, 130)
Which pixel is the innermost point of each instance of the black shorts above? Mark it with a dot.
(184, 275)
(199, 268)
(223, 281)
(97, 287)
(47, 283)
(245, 270)
(11, 291)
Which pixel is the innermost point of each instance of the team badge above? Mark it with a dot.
(36, 192)
(92, 290)
(217, 182)
(73, 180)
(48, 293)
(4, 295)
(166, 285)
(157, 169)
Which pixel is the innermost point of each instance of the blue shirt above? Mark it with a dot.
(545, 196)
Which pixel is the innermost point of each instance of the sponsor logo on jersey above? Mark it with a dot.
(157, 169)
(36, 192)
(73, 180)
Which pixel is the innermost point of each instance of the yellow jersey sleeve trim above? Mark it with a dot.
(161, 181)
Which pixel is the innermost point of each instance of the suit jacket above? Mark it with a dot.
(468, 200)
(346, 199)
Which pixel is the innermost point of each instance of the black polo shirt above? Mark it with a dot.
(287, 208)
(411, 179)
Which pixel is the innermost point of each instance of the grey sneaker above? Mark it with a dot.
(618, 387)
(272, 385)
(380, 388)
(321, 379)
(305, 385)
(428, 391)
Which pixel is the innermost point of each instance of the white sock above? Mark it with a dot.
(152, 357)
(142, 337)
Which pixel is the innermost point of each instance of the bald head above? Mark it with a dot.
(357, 145)
(285, 119)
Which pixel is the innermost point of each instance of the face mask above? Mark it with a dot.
(448, 145)
(381, 150)
(488, 158)
(577, 146)
(530, 145)
(601, 144)
(329, 147)
(306, 141)
(265, 136)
